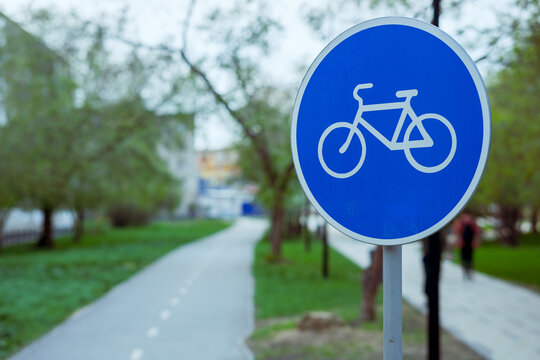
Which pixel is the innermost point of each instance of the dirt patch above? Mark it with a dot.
(342, 334)
(337, 343)
(279, 339)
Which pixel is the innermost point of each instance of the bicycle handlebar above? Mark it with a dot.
(360, 87)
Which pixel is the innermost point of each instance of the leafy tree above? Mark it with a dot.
(512, 178)
(267, 113)
(121, 135)
(59, 154)
(242, 35)
(127, 173)
(37, 95)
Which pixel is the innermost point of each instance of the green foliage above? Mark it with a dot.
(267, 113)
(512, 176)
(89, 151)
(241, 34)
(127, 169)
(118, 157)
(40, 288)
(37, 96)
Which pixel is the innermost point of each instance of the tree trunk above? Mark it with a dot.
(79, 225)
(276, 232)
(306, 233)
(3, 216)
(534, 220)
(508, 229)
(292, 219)
(370, 282)
(325, 253)
(433, 247)
(46, 239)
(307, 238)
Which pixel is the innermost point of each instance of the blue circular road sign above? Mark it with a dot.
(391, 130)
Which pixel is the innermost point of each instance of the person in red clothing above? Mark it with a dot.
(468, 235)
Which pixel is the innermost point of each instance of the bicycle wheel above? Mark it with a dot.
(362, 156)
(451, 153)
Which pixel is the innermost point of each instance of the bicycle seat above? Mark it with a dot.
(406, 93)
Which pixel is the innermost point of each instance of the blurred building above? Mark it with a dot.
(178, 151)
(218, 168)
(222, 193)
(41, 73)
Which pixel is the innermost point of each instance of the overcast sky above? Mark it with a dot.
(156, 21)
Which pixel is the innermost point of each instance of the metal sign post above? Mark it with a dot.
(390, 135)
(392, 316)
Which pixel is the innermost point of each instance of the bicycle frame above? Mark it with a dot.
(392, 144)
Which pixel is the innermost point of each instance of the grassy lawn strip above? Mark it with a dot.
(519, 264)
(285, 291)
(41, 288)
(296, 285)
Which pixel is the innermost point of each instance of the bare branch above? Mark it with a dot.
(257, 142)
(481, 58)
(189, 14)
(286, 176)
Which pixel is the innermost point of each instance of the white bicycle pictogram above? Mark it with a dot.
(406, 145)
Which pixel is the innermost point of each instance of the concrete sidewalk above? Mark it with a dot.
(195, 303)
(497, 319)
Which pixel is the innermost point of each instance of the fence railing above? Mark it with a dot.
(26, 236)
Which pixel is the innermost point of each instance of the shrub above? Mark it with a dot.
(122, 215)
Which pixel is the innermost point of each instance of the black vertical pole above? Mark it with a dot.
(432, 263)
(436, 12)
(432, 267)
(306, 232)
(325, 259)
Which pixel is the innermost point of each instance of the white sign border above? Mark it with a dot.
(484, 102)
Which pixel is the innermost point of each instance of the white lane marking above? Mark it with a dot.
(165, 314)
(136, 354)
(174, 301)
(152, 332)
(189, 282)
(183, 290)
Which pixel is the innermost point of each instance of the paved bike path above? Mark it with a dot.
(497, 319)
(194, 303)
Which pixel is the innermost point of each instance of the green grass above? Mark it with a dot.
(295, 285)
(520, 264)
(41, 288)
